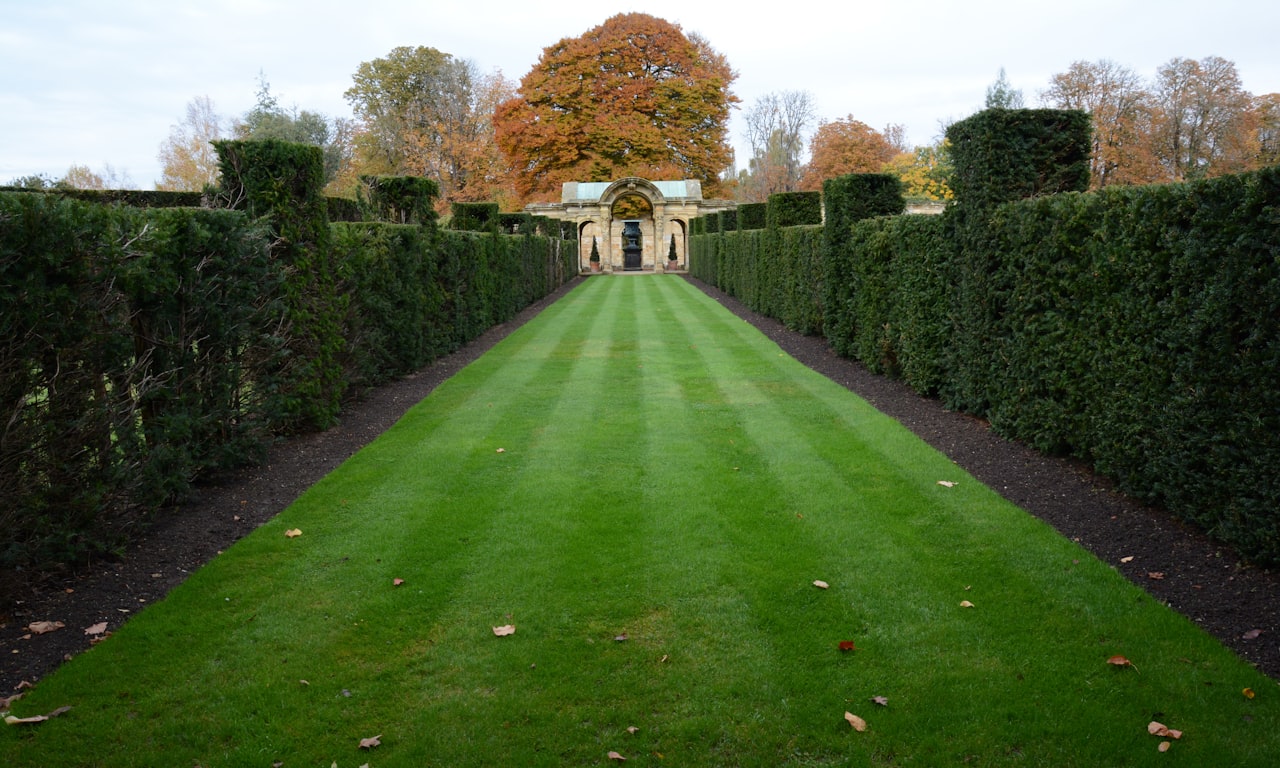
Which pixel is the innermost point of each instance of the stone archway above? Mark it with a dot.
(592, 206)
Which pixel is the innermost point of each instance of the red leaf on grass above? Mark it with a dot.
(847, 645)
(1120, 661)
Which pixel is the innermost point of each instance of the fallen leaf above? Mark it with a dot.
(857, 723)
(504, 630)
(1157, 575)
(966, 604)
(882, 701)
(618, 757)
(304, 682)
(23, 684)
(502, 450)
(11, 720)
(371, 742)
(1251, 634)
(946, 484)
(820, 584)
(293, 533)
(41, 627)
(664, 658)
(847, 645)
(397, 582)
(1160, 729)
(1120, 661)
(1248, 693)
(96, 629)
(1164, 746)
(1128, 559)
(632, 729)
(8, 700)
(622, 638)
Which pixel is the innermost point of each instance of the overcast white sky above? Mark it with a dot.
(97, 82)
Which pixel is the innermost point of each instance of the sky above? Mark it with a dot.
(101, 83)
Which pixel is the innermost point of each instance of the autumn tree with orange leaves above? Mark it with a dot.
(634, 96)
(846, 146)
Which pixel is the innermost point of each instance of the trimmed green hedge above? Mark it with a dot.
(792, 209)
(474, 217)
(136, 198)
(144, 348)
(753, 216)
(1002, 155)
(400, 199)
(281, 182)
(138, 347)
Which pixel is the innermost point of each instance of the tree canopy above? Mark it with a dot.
(846, 146)
(634, 96)
(426, 113)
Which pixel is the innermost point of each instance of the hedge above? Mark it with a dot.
(145, 348)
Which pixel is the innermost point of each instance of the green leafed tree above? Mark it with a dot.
(426, 113)
(268, 120)
(634, 96)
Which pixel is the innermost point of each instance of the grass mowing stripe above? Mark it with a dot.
(623, 410)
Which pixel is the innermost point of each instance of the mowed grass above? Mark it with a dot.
(637, 462)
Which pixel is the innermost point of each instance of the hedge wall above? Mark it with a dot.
(281, 182)
(137, 347)
(399, 199)
(143, 348)
(791, 209)
(474, 217)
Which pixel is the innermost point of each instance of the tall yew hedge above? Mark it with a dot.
(1135, 328)
(143, 348)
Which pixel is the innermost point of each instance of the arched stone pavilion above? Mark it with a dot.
(601, 211)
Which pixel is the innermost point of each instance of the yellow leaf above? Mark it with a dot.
(966, 604)
(1248, 693)
(293, 533)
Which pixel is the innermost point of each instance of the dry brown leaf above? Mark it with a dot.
(632, 729)
(1248, 693)
(11, 720)
(820, 584)
(397, 582)
(1251, 634)
(857, 723)
(622, 638)
(96, 629)
(847, 645)
(618, 757)
(41, 627)
(1157, 575)
(1160, 729)
(946, 484)
(293, 533)
(504, 630)
(1164, 746)
(370, 743)
(966, 604)
(881, 700)
(1120, 661)
(502, 450)
(1128, 559)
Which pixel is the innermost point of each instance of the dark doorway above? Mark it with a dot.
(631, 246)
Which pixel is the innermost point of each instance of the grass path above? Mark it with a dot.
(636, 461)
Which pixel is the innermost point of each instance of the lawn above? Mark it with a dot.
(647, 490)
